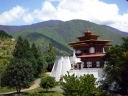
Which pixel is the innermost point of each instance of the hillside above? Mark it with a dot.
(115, 30)
(3, 34)
(60, 33)
(6, 44)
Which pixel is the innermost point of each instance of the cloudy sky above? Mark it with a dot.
(106, 12)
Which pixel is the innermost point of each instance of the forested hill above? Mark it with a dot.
(3, 34)
(60, 33)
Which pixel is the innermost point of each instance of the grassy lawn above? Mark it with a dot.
(42, 92)
(34, 92)
(6, 89)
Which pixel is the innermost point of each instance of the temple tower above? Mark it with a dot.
(90, 50)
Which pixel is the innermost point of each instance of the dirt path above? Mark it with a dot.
(35, 85)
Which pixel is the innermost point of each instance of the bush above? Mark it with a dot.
(82, 86)
(48, 82)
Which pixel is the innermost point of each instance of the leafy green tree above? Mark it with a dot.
(3, 67)
(88, 85)
(48, 82)
(51, 56)
(71, 85)
(116, 70)
(42, 64)
(19, 74)
(82, 86)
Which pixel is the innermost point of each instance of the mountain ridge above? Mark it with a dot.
(48, 23)
(61, 33)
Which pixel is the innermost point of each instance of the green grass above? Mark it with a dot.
(6, 89)
(34, 92)
(37, 92)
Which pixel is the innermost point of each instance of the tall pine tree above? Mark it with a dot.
(51, 56)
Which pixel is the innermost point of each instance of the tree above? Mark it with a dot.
(116, 70)
(82, 86)
(23, 50)
(71, 85)
(3, 34)
(42, 64)
(88, 85)
(3, 67)
(36, 51)
(51, 56)
(39, 58)
(19, 74)
(48, 82)
(19, 50)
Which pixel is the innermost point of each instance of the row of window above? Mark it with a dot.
(89, 63)
(91, 50)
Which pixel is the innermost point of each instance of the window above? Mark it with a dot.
(78, 51)
(91, 50)
(97, 63)
(105, 62)
(103, 50)
(89, 64)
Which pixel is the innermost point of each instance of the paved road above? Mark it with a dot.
(35, 85)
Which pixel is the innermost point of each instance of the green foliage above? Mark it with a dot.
(42, 64)
(6, 47)
(71, 85)
(48, 82)
(88, 85)
(116, 70)
(3, 34)
(50, 57)
(60, 35)
(4, 62)
(36, 51)
(82, 86)
(19, 74)
(31, 53)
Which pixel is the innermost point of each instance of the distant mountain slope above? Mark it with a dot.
(115, 30)
(30, 27)
(61, 33)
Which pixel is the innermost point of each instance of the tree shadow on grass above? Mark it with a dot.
(47, 91)
(17, 94)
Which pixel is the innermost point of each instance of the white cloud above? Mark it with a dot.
(28, 18)
(121, 22)
(95, 11)
(13, 14)
(47, 12)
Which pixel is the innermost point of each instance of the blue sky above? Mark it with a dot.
(22, 12)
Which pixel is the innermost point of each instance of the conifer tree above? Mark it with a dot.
(51, 56)
(18, 52)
